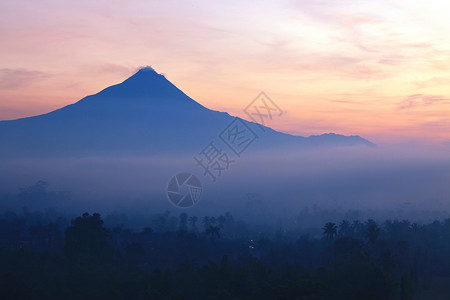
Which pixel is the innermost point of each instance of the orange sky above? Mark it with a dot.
(379, 69)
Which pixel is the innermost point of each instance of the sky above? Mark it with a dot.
(378, 69)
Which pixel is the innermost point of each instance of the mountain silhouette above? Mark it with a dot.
(144, 115)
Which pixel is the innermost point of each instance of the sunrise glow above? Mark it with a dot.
(376, 69)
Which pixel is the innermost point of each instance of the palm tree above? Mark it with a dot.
(183, 222)
(161, 221)
(357, 228)
(415, 228)
(330, 230)
(345, 228)
(372, 231)
(213, 232)
(193, 222)
(206, 222)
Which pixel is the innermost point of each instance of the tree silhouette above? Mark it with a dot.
(221, 220)
(39, 187)
(86, 238)
(345, 229)
(206, 222)
(183, 222)
(372, 231)
(213, 232)
(193, 222)
(402, 265)
(36, 193)
(330, 230)
(358, 229)
(161, 221)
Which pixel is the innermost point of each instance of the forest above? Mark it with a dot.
(51, 255)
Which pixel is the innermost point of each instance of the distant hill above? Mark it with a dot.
(144, 115)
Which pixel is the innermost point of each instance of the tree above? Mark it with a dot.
(193, 222)
(39, 187)
(213, 232)
(330, 230)
(345, 229)
(35, 193)
(372, 231)
(206, 222)
(86, 238)
(358, 229)
(161, 221)
(183, 222)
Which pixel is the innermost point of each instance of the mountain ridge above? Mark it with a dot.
(143, 115)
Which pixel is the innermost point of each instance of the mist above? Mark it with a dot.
(270, 186)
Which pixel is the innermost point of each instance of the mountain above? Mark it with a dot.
(144, 115)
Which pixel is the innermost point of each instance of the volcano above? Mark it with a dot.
(145, 115)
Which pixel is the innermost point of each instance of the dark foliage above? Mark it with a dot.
(228, 259)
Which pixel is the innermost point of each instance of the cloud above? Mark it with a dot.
(19, 78)
(344, 101)
(433, 82)
(442, 123)
(419, 100)
(113, 68)
(337, 12)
